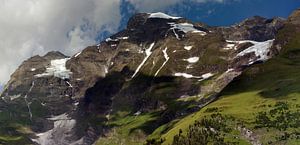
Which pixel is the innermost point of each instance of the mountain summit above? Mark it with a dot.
(149, 82)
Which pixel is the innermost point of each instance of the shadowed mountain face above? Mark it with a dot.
(162, 66)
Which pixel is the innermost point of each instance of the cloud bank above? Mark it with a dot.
(34, 27)
(31, 27)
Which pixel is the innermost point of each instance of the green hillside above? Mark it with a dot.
(264, 99)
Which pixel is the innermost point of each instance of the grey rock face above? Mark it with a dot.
(255, 28)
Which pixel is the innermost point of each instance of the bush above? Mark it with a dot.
(209, 130)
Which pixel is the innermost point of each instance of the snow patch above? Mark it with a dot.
(109, 39)
(62, 130)
(117, 39)
(43, 104)
(185, 75)
(162, 16)
(123, 38)
(76, 103)
(148, 53)
(13, 97)
(137, 113)
(176, 35)
(186, 27)
(207, 75)
(188, 48)
(229, 70)
(192, 59)
(189, 66)
(261, 49)
(166, 60)
(189, 76)
(105, 69)
(33, 69)
(230, 46)
(57, 69)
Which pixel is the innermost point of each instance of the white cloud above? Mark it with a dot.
(30, 27)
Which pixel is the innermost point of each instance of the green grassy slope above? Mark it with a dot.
(264, 99)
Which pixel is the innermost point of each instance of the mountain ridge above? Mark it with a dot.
(160, 67)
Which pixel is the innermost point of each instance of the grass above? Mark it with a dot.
(256, 90)
(127, 130)
(246, 103)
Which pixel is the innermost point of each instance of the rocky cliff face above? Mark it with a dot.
(255, 28)
(162, 64)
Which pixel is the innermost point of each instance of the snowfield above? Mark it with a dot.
(57, 69)
(261, 49)
(186, 27)
(63, 126)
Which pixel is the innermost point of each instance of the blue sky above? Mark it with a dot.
(215, 13)
(229, 11)
(35, 27)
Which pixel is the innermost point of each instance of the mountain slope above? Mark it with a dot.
(141, 83)
(262, 105)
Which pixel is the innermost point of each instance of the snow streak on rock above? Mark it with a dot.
(57, 69)
(76, 55)
(206, 76)
(185, 75)
(192, 59)
(148, 54)
(69, 84)
(166, 60)
(26, 101)
(176, 35)
(188, 48)
(13, 97)
(189, 76)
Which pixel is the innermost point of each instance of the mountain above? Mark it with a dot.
(162, 80)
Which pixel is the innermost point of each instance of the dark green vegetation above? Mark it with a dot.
(14, 131)
(280, 117)
(206, 131)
